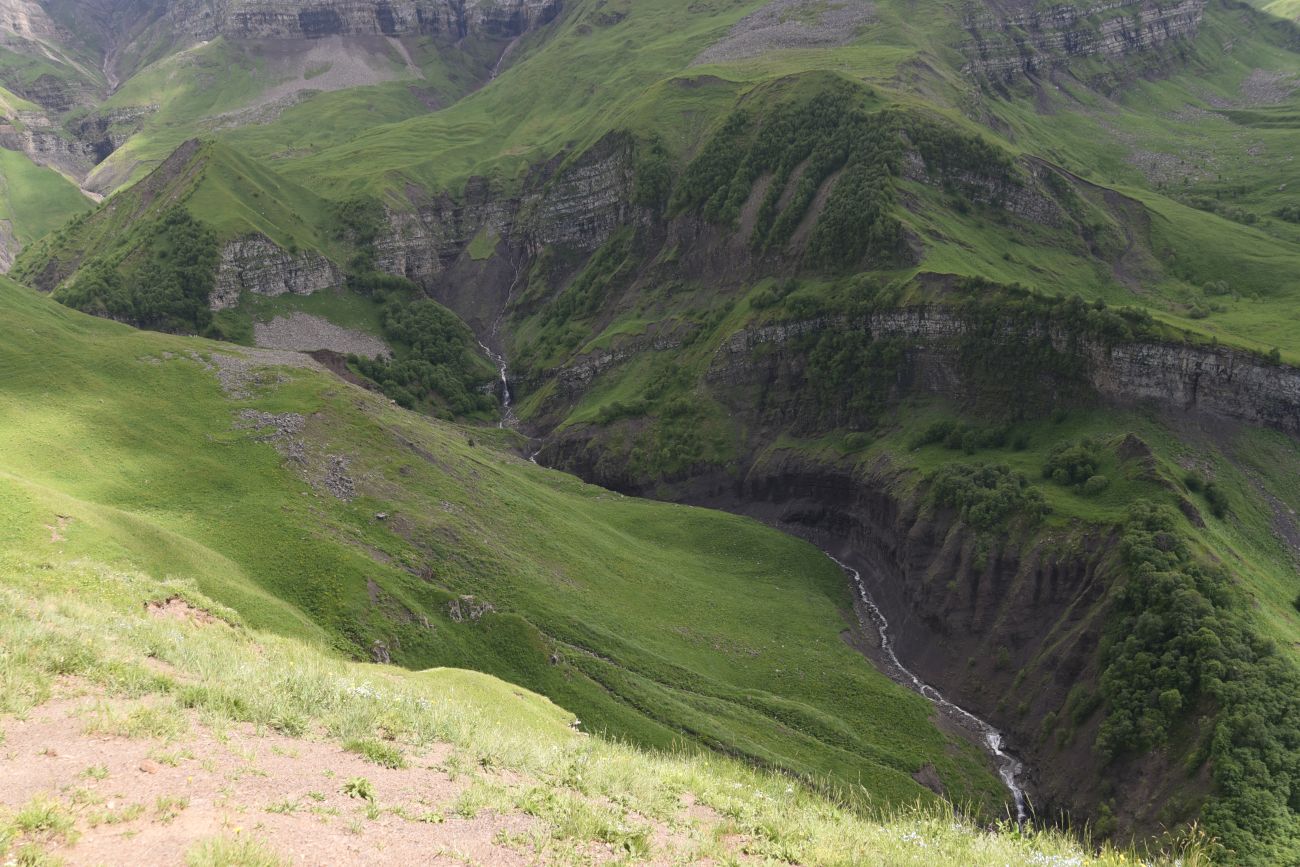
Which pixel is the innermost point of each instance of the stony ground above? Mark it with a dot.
(303, 332)
(328, 64)
(791, 24)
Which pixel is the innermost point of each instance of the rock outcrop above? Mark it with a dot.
(575, 207)
(9, 246)
(1212, 381)
(35, 135)
(294, 19)
(1033, 40)
(108, 129)
(26, 19)
(255, 264)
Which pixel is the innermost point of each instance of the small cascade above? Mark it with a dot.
(1009, 767)
(507, 411)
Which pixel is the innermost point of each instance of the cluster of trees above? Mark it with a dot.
(437, 365)
(1290, 213)
(818, 136)
(164, 284)
(613, 266)
(1077, 465)
(851, 375)
(1181, 643)
(969, 438)
(1215, 497)
(678, 442)
(1229, 212)
(358, 222)
(967, 165)
(987, 496)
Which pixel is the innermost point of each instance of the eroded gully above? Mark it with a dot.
(1009, 767)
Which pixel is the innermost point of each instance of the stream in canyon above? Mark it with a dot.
(1009, 767)
(503, 367)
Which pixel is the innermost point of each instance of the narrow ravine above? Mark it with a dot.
(1009, 767)
(503, 366)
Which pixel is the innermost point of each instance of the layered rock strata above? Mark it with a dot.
(255, 264)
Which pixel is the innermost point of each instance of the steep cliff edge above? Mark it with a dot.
(1014, 619)
(1010, 630)
(1004, 45)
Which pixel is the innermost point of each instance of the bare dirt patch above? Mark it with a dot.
(307, 67)
(177, 608)
(56, 529)
(150, 800)
(144, 801)
(784, 24)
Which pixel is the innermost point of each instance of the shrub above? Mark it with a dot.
(1073, 463)
(359, 787)
(856, 441)
(381, 753)
(1217, 500)
(1095, 485)
(988, 496)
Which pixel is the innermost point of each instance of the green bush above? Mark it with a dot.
(1073, 463)
(987, 496)
(1095, 485)
(966, 437)
(380, 752)
(1217, 500)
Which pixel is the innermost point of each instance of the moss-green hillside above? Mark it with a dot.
(34, 200)
(81, 642)
(323, 513)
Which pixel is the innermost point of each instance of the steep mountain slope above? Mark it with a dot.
(996, 300)
(33, 202)
(207, 740)
(320, 511)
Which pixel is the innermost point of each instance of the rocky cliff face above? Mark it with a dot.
(9, 246)
(1016, 194)
(1007, 626)
(255, 264)
(35, 135)
(26, 19)
(1211, 381)
(576, 207)
(296, 19)
(1005, 45)
(1007, 631)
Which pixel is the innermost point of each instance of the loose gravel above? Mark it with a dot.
(303, 332)
(784, 24)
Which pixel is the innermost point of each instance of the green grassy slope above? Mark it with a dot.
(653, 622)
(78, 625)
(224, 190)
(313, 96)
(36, 200)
